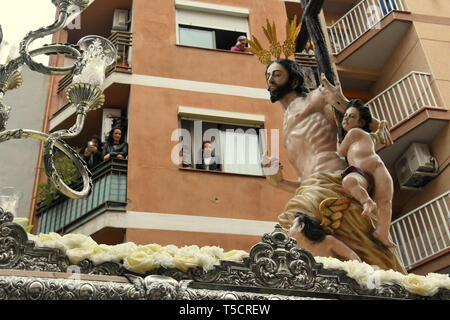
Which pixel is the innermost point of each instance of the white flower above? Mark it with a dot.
(380, 277)
(140, 262)
(418, 284)
(185, 262)
(120, 251)
(207, 261)
(76, 255)
(144, 258)
(51, 240)
(235, 255)
(164, 259)
(72, 241)
(20, 221)
(102, 253)
(212, 251)
(440, 280)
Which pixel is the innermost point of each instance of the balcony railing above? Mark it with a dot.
(423, 232)
(122, 40)
(364, 16)
(309, 66)
(109, 193)
(408, 95)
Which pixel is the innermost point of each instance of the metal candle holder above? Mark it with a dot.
(95, 56)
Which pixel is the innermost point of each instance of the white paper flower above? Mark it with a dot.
(71, 241)
(120, 251)
(144, 258)
(419, 284)
(235, 255)
(140, 262)
(164, 259)
(76, 255)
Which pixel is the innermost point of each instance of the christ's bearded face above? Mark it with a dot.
(278, 82)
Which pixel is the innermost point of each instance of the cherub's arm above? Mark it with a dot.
(342, 250)
(352, 136)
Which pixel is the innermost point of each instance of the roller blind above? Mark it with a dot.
(212, 20)
(219, 116)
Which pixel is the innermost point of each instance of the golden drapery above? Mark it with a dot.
(350, 226)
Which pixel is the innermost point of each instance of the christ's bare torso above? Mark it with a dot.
(309, 135)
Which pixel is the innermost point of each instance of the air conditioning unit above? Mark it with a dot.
(120, 20)
(416, 167)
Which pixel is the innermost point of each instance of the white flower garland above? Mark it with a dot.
(372, 277)
(144, 258)
(136, 258)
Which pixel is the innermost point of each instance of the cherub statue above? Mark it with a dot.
(366, 178)
(309, 235)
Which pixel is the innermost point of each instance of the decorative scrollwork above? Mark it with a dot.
(276, 266)
(278, 262)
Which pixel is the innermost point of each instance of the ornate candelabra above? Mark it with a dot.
(95, 57)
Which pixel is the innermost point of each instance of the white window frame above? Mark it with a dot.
(213, 16)
(237, 119)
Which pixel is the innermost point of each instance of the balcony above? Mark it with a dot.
(109, 193)
(309, 66)
(122, 40)
(365, 16)
(372, 28)
(424, 233)
(411, 109)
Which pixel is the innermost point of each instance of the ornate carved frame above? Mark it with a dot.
(275, 269)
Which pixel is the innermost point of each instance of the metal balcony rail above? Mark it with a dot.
(109, 192)
(305, 59)
(423, 232)
(122, 40)
(309, 66)
(406, 96)
(365, 16)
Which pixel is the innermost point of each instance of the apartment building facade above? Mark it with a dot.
(176, 76)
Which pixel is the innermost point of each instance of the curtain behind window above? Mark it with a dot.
(240, 150)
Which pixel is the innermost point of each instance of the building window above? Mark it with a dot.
(237, 148)
(207, 38)
(209, 25)
(197, 37)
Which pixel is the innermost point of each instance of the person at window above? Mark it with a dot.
(240, 45)
(92, 154)
(186, 161)
(311, 73)
(115, 147)
(208, 159)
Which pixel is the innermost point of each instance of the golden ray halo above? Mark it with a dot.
(275, 48)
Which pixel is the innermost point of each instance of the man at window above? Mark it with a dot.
(240, 45)
(208, 160)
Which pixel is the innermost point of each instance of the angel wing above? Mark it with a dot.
(382, 135)
(332, 210)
